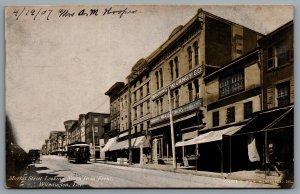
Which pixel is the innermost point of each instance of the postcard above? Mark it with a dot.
(149, 96)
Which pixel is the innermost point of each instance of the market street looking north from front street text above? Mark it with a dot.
(57, 172)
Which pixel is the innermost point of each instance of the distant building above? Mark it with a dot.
(57, 143)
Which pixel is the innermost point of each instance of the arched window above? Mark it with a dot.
(176, 67)
(196, 51)
(189, 51)
(171, 69)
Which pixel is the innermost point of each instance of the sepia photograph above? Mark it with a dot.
(149, 96)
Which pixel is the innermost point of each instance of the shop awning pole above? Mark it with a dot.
(230, 155)
(172, 130)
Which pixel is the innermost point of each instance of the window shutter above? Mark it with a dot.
(270, 97)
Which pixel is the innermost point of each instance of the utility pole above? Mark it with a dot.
(94, 146)
(129, 123)
(172, 130)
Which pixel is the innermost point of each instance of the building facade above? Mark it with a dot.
(200, 47)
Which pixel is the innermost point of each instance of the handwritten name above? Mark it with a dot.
(119, 12)
(47, 14)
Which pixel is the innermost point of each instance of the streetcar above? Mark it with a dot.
(78, 152)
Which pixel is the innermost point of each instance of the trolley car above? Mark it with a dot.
(78, 152)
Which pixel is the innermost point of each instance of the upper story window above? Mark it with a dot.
(197, 90)
(141, 110)
(161, 77)
(157, 80)
(176, 61)
(231, 84)
(157, 107)
(278, 55)
(105, 120)
(176, 98)
(141, 92)
(171, 69)
(135, 113)
(216, 118)
(190, 57)
(148, 89)
(230, 115)
(148, 106)
(96, 119)
(248, 109)
(283, 94)
(161, 105)
(190, 87)
(196, 51)
(134, 96)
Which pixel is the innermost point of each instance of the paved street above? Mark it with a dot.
(57, 172)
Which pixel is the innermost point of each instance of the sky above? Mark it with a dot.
(59, 68)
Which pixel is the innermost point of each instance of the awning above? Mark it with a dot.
(142, 140)
(135, 143)
(268, 119)
(109, 144)
(120, 145)
(210, 136)
(123, 134)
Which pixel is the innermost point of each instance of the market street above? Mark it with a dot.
(57, 172)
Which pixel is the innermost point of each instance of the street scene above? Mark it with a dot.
(57, 172)
(150, 96)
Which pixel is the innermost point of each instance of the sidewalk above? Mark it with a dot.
(251, 176)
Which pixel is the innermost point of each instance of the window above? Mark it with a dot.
(190, 87)
(105, 120)
(270, 58)
(176, 98)
(134, 96)
(135, 112)
(230, 117)
(135, 129)
(161, 105)
(96, 129)
(141, 92)
(148, 124)
(283, 94)
(189, 51)
(248, 109)
(278, 55)
(141, 109)
(142, 127)
(176, 67)
(281, 53)
(157, 80)
(148, 89)
(161, 77)
(148, 106)
(215, 118)
(147, 75)
(196, 50)
(231, 84)
(196, 84)
(157, 107)
(171, 70)
(96, 119)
